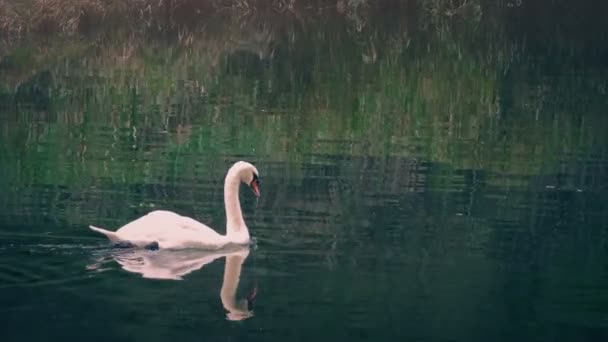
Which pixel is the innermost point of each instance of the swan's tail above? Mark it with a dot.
(111, 235)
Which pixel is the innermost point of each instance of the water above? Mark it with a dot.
(424, 177)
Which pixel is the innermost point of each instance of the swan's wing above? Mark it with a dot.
(170, 230)
(193, 225)
(159, 222)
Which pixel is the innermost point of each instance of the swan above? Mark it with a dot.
(167, 230)
(174, 265)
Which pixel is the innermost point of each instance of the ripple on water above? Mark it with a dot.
(51, 262)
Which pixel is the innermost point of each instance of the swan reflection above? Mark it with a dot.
(174, 265)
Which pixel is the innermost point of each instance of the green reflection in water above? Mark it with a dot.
(457, 164)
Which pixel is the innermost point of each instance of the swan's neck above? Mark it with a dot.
(235, 225)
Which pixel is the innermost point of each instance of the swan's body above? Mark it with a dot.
(169, 230)
(172, 231)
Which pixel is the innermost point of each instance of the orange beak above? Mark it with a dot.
(255, 187)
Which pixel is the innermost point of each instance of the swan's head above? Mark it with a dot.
(243, 308)
(248, 174)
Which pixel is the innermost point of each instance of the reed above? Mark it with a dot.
(71, 17)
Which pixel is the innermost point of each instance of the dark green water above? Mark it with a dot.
(425, 177)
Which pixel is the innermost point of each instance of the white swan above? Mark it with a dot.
(168, 230)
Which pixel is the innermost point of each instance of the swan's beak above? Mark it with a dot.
(255, 187)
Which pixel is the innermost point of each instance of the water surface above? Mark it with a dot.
(425, 176)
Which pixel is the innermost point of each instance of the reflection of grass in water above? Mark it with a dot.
(387, 97)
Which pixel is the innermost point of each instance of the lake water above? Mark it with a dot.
(428, 173)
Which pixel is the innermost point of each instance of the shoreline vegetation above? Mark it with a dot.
(38, 35)
(22, 17)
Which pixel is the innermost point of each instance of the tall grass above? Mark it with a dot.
(72, 17)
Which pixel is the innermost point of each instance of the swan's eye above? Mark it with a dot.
(255, 180)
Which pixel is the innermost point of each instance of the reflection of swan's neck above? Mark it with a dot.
(232, 274)
(234, 216)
